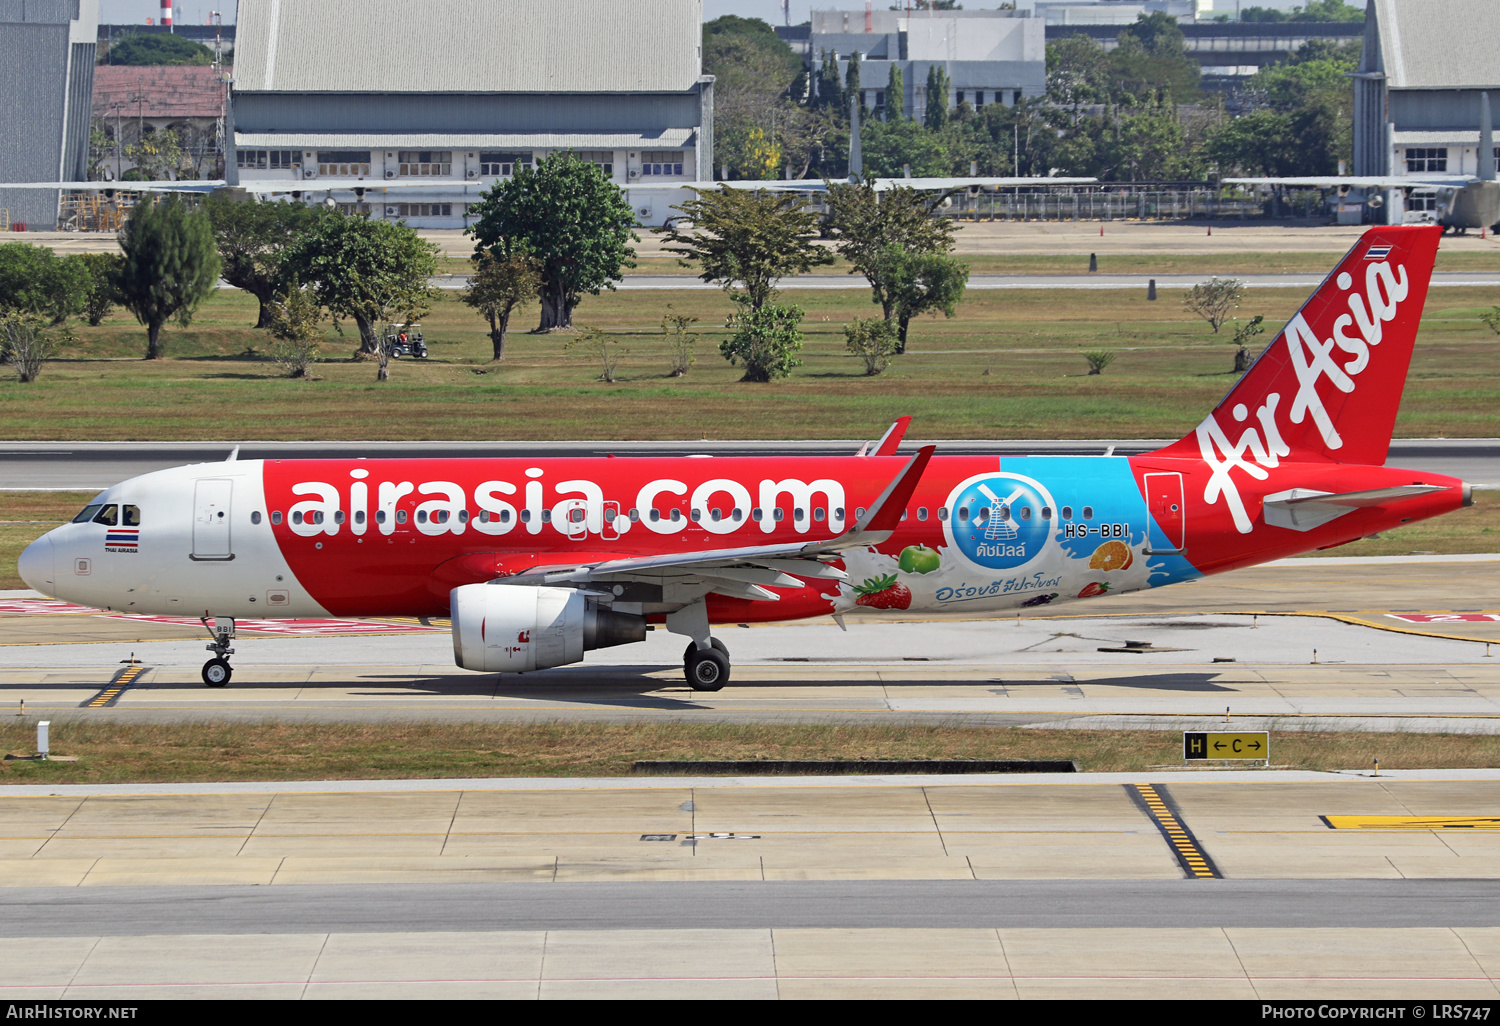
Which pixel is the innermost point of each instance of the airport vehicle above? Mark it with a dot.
(406, 340)
(538, 561)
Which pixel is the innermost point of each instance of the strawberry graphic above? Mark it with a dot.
(883, 593)
(1090, 590)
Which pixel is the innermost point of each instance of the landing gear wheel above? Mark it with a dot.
(216, 673)
(706, 670)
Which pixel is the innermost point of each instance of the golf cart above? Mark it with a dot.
(406, 340)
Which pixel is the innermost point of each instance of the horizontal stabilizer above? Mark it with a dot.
(1302, 509)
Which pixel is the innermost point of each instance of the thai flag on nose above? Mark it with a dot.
(123, 537)
(1377, 252)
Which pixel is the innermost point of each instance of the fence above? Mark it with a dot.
(1132, 205)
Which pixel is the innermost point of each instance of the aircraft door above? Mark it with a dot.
(574, 513)
(211, 520)
(608, 532)
(1167, 530)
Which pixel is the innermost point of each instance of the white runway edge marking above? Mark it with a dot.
(680, 783)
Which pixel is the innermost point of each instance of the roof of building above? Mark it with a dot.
(192, 91)
(1434, 44)
(468, 46)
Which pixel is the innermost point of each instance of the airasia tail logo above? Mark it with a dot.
(1339, 359)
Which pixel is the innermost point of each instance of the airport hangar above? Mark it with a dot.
(348, 95)
(47, 52)
(1416, 94)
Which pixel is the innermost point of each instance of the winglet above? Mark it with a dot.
(893, 437)
(885, 512)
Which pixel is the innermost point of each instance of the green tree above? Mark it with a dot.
(921, 283)
(23, 278)
(26, 344)
(1078, 73)
(939, 88)
(851, 77)
(747, 239)
(895, 95)
(866, 224)
(252, 237)
(604, 348)
(888, 145)
(1213, 299)
(156, 155)
(1244, 334)
(1151, 58)
(765, 339)
(104, 288)
(759, 86)
(681, 342)
(498, 287)
(368, 271)
(165, 48)
(571, 218)
(65, 284)
(169, 266)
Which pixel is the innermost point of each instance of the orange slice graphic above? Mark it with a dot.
(1112, 555)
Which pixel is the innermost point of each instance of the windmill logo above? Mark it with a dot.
(999, 521)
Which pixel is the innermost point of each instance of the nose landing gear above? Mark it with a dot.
(217, 671)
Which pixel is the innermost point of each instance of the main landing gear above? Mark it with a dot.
(217, 671)
(706, 669)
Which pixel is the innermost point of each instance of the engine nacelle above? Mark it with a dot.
(502, 628)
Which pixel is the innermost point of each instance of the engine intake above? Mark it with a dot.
(515, 629)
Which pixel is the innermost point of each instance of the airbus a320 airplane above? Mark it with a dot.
(539, 561)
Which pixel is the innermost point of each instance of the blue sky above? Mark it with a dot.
(197, 11)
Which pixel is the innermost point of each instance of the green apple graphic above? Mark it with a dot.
(919, 559)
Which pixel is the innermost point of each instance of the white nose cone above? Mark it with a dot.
(36, 566)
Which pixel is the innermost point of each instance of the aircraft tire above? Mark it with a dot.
(216, 673)
(708, 670)
(714, 643)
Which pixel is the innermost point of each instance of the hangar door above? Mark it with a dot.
(211, 519)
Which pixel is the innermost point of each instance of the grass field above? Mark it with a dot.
(1009, 364)
(121, 753)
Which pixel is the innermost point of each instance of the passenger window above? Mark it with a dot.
(276, 517)
(921, 512)
(576, 516)
(463, 516)
(400, 516)
(737, 514)
(859, 511)
(654, 515)
(838, 514)
(942, 512)
(799, 514)
(1046, 512)
(905, 513)
(697, 515)
(756, 514)
(440, 517)
(380, 516)
(635, 516)
(676, 515)
(818, 514)
(317, 516)
(296, 516)
(778, 514)
(546, 516)
(984, 514)
(338, 516)
(132, 516)
(359, 516)
(504, 516)
(108, 516)
(421, 516)
(714, 514)
(1067, 512)
(87, 514)
(1088, 512)
(255, 517)
(963, 514)
(1025, 512)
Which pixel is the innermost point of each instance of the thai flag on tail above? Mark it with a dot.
(122, 537)
(1377, 252)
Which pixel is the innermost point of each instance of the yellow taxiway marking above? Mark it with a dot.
(1181, 840)
(1412, 822)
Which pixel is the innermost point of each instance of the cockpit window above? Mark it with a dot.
(109, 516)
(131, 516)
(87, 514)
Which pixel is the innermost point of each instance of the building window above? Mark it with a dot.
(268, 160)
(978, 98)
(1420, 159)
(604, 160)
(880, 97)
(419, 210)
(502, 165)
(355, 209)
(661, 162)
(344, 163)
(426, 163)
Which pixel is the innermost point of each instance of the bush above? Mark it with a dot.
(680, 341)
(602, 347)
(872, 340)
(295, 321)
(766, 341)
(1098, 359)
(1213, 299)
(26, 345)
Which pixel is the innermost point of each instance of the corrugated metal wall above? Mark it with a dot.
(471, 113)
(33, 92)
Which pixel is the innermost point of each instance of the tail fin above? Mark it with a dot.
(1329, 386)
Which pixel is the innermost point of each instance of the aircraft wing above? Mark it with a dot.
(747, 571)
(205, 185)
(278, 188)
(1335, 181)
(881, 184)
